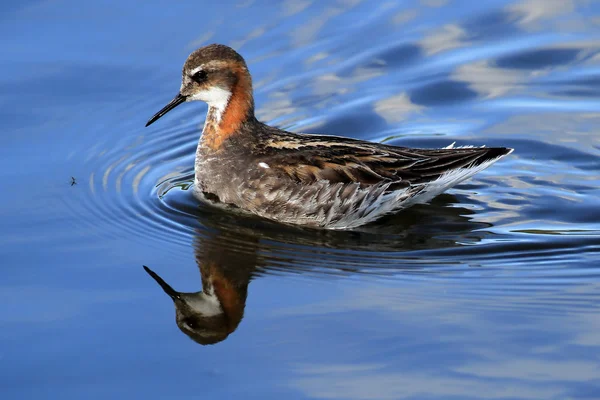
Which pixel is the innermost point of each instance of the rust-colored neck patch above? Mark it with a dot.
(239, 108)
(231, 300)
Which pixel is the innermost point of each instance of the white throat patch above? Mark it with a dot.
(216, 98)
(206, 304)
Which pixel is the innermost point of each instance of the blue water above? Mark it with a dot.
(492, 291)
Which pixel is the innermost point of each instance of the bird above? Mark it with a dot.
(312, 180)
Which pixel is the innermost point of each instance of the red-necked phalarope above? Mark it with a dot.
(313, 180)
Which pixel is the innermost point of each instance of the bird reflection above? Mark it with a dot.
(230, 250)
(210, 315)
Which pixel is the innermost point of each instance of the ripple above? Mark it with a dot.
(498, 224)
(144, 190)
(538, 59)
(482, 291)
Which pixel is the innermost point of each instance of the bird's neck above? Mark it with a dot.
(228, 112)
(231, 297)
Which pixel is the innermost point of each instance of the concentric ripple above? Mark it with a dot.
(144, 190)
(490, 291)
(531, 215)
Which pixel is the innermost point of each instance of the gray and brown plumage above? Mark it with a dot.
(313, 180)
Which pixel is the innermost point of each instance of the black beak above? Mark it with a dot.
(164, 285)
(172, 104)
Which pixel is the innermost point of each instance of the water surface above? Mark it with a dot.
(492, 291)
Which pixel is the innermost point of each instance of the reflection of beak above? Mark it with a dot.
(164, 285)
(172, 104)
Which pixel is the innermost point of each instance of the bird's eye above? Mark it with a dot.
(199, 76)
(189, 322)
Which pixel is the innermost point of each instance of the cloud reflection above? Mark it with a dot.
(375, 382)
(396, 108)
(536, 10)
(488, 80)
(448, 37)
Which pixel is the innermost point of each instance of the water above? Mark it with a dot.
(490, 292)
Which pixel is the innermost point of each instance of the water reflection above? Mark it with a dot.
(210, 315)
(230, 250)
(405, 308)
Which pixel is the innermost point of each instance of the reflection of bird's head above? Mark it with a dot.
(209, 316)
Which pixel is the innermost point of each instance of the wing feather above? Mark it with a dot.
(311, 158)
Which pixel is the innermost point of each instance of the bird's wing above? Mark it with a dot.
(311, 158)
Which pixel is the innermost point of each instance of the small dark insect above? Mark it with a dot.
(73, 182)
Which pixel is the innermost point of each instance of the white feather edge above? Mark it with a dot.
(451, 146)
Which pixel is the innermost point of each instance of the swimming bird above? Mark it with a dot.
(306, 179)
